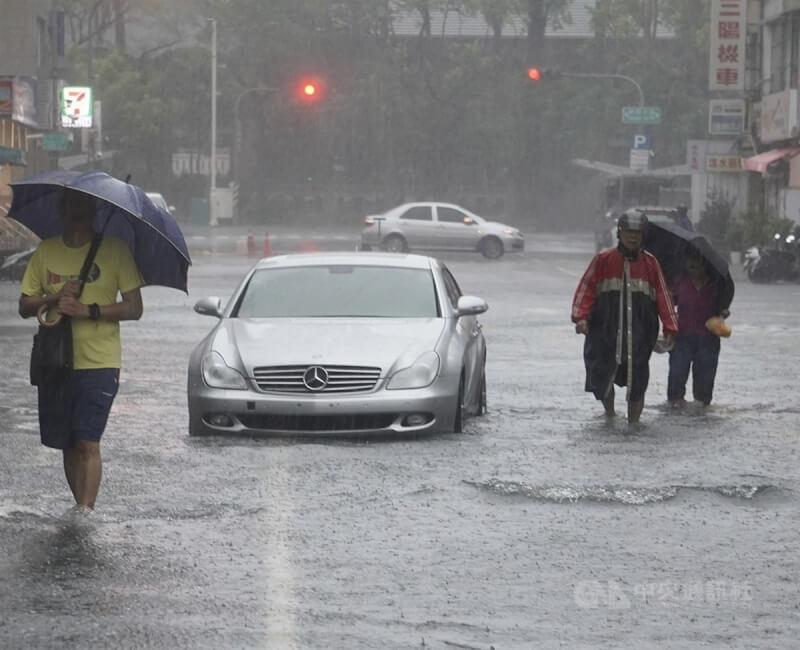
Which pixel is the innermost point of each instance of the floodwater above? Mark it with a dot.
(542, 526)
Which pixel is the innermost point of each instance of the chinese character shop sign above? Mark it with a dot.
(727, 38)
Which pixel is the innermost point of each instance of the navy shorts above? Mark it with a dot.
(93, 392)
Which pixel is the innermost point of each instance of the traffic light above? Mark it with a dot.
(539, 74)
(310, 90)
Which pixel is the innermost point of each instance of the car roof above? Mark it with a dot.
(653, 209)
(441, 204)
(360, 258)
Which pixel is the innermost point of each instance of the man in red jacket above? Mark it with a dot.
(617, 305)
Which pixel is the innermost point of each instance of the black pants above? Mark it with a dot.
(700, 354)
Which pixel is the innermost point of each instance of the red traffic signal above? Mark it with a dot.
(538, 74)
(310, 90)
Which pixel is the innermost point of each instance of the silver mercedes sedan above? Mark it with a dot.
(340, 344)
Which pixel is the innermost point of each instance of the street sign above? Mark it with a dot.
(54, 142)
(726, 116)
(641, 115)
(640, 160)
(641, 141)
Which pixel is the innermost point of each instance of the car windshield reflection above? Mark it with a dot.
(339, 291)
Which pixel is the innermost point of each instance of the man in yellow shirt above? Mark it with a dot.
(51, 279)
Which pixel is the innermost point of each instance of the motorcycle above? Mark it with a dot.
(780, 262)
(14, 265)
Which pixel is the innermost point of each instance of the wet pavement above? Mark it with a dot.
(542, 526)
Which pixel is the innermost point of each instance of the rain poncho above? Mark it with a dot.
(622, 299)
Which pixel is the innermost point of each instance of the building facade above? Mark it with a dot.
(31, 58)
(774, 110)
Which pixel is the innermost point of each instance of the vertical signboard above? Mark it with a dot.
(727, 49)
(24, 101)
(696, 153)
(6, 96)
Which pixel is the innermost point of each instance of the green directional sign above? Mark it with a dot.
(641, 115)
(54, 142)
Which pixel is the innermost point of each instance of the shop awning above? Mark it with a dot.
(759, 162)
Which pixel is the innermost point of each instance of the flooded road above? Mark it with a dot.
(542, 526)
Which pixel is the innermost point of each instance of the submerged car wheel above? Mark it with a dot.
(395, 244)
(458, 420)
(482, 393)
(492, 248)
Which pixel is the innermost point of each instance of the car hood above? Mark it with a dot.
(377, 342)
(496, 226)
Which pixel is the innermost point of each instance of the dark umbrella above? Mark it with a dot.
(670, 242)
(123, 211)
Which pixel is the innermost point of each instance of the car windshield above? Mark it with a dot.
(339, 291)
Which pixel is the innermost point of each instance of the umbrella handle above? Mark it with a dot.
(46, 323)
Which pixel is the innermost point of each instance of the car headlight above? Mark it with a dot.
(419, 374)
(218, 374)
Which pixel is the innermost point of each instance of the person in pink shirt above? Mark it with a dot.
(698, 295)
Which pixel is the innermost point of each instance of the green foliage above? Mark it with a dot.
(755, 228)
(417, 116)
(715, 220)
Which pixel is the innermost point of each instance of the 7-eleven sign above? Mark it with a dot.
(76, 107)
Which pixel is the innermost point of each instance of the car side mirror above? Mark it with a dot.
(469, 221)
(211, 306)
(471, 306)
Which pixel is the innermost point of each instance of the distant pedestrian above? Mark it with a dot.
(682, 217)
(698, 297)
(617, 305)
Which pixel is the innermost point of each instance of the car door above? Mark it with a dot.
(417, 226)
(469, 337)
(455, 229)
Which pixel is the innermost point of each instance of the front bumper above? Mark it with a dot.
(379, 413)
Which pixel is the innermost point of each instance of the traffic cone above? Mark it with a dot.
(308, 246)
(251, 245)
(267, 251)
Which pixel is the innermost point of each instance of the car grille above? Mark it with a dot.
(320, 423)
(341, 379)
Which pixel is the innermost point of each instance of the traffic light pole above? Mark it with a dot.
(212, 211)
(603, 75)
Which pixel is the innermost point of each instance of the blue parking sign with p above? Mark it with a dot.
(641, 141)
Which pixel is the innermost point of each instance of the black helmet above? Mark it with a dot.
(633, 220)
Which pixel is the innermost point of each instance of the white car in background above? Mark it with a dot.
(426, 226)
(161, 202)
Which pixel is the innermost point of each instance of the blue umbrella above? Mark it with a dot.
(123, 211)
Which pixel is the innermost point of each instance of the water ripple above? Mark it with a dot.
(622, 494)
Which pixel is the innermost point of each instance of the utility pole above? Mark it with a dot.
(212, 213)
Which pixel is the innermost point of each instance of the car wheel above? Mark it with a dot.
(482, 393)
(395, 244)
(458, 420)
(492, 248)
